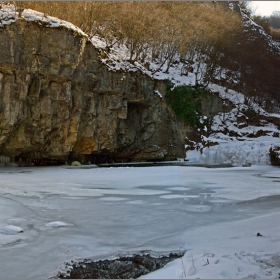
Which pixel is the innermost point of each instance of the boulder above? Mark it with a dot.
(75, 163)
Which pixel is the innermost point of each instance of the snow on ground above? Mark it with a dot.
(118, 59)
(9, 14)
(237, 142)
(212, 214)
(250, 24)
(238, 99)
(229, 251)
(234, 152)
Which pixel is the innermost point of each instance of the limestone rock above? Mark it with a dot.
(58, 99)
(75, 163)
(274, 153)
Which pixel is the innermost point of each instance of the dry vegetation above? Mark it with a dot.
(172, 32)
(271, 24)
(163, 28)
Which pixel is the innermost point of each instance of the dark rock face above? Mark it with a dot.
(121, 268)
(274, 153)
(58, 99)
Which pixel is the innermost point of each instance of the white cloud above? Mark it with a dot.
(265, 8)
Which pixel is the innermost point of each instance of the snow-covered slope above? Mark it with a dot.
(239, 142)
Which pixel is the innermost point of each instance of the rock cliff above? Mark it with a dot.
(59, 101)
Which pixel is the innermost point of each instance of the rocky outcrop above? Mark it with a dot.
(57, 100)
(274, 153)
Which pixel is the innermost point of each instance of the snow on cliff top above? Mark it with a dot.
(9, 14)
(117, 58)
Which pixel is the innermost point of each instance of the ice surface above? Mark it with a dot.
(57, 224)
(229, 251)
(98, 213)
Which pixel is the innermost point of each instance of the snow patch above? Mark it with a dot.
(158, 93)
(31, 15)
(10, 229)
(7, 15)
(57, 224)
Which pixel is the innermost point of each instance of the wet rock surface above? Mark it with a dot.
(121, 268)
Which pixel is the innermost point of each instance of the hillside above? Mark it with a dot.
(90, 82)
(241, 111)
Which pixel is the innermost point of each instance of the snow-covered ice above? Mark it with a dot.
(234, 152)
(10, 229)
(57, 224)
(231, 250)
(212, 214)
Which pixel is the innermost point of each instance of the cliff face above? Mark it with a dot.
(57, 99)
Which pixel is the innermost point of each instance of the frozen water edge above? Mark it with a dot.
(234, 152)
(103, 212)
(229, 251)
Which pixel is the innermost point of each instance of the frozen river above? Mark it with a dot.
(70, 213)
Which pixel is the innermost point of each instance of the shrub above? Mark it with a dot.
(185, 101)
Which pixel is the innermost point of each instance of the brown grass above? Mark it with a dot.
(164, 27)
